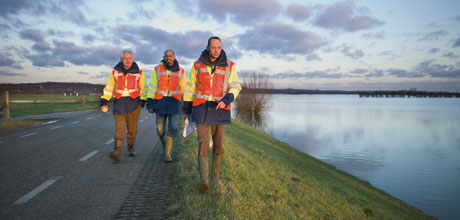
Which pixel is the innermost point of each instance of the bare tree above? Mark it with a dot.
(251, 105)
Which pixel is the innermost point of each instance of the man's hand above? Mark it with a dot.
(104, 108)
(185, 116)
(221, 105)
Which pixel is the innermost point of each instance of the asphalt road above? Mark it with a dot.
(60, 169)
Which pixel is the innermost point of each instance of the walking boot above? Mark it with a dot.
(216, 161)
(203, 164)
(131, 150)
(163, 143)
(116, 153)
(168, 148)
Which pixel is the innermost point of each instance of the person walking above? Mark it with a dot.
(211, 87)
(163, 98)
(127, 84)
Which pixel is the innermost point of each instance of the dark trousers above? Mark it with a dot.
(121, 121)
(217, 134)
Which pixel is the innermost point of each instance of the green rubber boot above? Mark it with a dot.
(168, 148)
(216, 161)
(203, 165)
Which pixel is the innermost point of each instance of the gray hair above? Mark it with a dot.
(125, 51)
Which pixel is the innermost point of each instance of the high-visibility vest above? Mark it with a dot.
(168, 83)
(130, 82)
(219, 87)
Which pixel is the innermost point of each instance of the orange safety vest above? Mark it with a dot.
(130, 81)
(168, 83)
(219, 87)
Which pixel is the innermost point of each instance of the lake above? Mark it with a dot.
(408, 147)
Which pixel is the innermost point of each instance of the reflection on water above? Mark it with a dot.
(408, 147)
(251, 109)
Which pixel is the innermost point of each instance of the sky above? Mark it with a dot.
(325, 45)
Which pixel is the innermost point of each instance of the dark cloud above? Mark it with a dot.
(298, 12)
(308, 75)
(375, 74)
(347, 51)
(438, 70)
(45, 60)
(456, 43)
(80, 55)
(83, 73)
(359, 71)
(7, 61)
(9, 7)
(457, 19)
(101, 75)
(434, 35)
(6, 73)
(41, 46)
(279, 38)
(346, 16)
(88, 38)
(242, 12)
(405, 74)
(450, 55)
(311, 57)
(151, 42)
(434, 50)
(32, 34)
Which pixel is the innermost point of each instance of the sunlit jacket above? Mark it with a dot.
(128, 95)
(204, 111)
(165, 88)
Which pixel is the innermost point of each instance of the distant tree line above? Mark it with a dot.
(370, 93)
(51, 88)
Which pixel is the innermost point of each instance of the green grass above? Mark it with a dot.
(264, 178)
(22, 109)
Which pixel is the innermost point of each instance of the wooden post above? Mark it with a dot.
(35, 106)
(7, 106)
(82, 101)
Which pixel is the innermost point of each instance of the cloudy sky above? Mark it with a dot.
(327, 44)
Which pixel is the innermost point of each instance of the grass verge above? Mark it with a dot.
(264, 178)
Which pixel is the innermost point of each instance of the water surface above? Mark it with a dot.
(409, 147)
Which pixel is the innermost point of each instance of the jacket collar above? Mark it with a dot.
(173, 68)
(120, 68)
(221, 60)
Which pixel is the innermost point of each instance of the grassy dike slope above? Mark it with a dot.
(264, 178)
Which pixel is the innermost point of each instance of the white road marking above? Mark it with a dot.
(56, 127)
(142, 120)
(36, 191)
(89, 118)
(89, 155)
(97, 116)
(109, 141)
(75, 122)
(50, 122)
(26, 135)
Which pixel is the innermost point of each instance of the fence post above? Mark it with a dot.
(35, 106)
(7, 106)
(82, 104)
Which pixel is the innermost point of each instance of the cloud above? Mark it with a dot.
(359, 71)
(354, 55)
(6, 73)
(308, 75)
(151, 42)
(450, 55)
(346, 16)
(45, 60)
(7, 61)
(405, 74)
(311, 57)
(32, 34)
(101, 75)
(88, 38)
(434, 50)
(375, 74)
(378, 35)
(434, 35)
(438, 70)
(456, 43)
(83, 73)
(279, 38)
(297, 12)
(457, 19)
(245, 12)
(13, 7)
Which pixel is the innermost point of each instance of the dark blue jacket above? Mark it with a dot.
(165, 106)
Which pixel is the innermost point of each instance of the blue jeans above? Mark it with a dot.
(172, 125)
